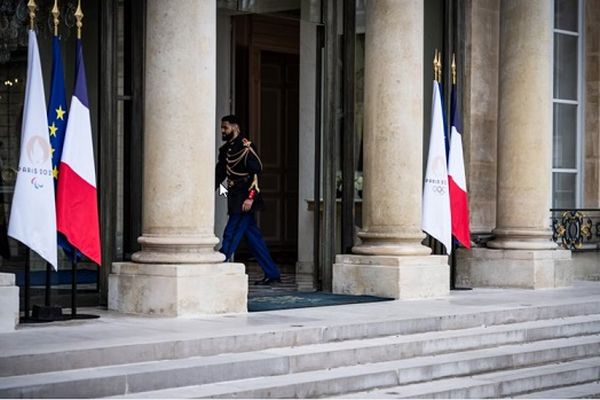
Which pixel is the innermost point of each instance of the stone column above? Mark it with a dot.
(391, 261)
(480, 113)
(525, 256)
(9, 298)
(305, 267)
(178, 272)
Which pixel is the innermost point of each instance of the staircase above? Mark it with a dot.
(542, 351)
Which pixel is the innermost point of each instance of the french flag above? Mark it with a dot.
(76, 199)
(459, 203)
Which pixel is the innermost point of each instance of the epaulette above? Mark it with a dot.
(246, 142)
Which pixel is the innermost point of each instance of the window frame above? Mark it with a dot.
(579, 169)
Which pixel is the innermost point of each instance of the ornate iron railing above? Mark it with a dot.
(576, 229)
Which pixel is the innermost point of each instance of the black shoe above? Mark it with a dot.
(267, 281)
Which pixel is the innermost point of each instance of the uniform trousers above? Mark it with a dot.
(244, 224)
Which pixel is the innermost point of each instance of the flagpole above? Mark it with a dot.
(435, 66)
(55, 15)
(74, 315)
(32, 7)
(49, 313)
(454, 246)
(455, 241)
(74, 286)
(453, 69)
(27, 286)
(78, 16)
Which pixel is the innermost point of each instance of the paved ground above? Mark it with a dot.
(117, 329)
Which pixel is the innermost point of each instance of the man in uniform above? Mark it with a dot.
(238, 161)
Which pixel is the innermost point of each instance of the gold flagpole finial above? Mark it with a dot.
(56, 14)
(435, 71)
(32, 7)
(439, 66)
(79, 17)
(453, 69)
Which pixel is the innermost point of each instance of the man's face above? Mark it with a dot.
(228, 130)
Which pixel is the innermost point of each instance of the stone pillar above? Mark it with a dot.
(178, 272)
(480, 113)
(524, 255)
(305, 267)
(9, 298)
(391, 261)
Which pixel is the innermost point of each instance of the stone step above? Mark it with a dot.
(583, 391)
(97, 351)
(335, 381)
(331, 355)
(503, 384)
(386, 348)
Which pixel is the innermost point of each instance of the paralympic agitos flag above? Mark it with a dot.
(436, 219)
(76, 200)
(32, 214)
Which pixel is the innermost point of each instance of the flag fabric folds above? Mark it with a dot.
(459, 205)
(57, 106)
(436, 199)
(76, 201)
(33, 215)
(57, 120)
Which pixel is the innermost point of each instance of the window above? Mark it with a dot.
(567, 106)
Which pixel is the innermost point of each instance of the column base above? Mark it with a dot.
(305, 278)
(9, 298)
(398, 277)
(177, 249)
(178, 290)
(527, 269)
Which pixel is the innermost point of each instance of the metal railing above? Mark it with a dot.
(577, 228)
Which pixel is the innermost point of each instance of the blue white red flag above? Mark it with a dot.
(76, 200)
(459, 202)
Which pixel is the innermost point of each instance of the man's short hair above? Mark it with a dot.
(232, 119)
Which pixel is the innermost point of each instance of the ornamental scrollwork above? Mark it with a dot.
(572, 229)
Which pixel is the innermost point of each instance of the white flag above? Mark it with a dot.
(33, 214)
(436, 197)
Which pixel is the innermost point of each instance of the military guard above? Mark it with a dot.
(239, 162)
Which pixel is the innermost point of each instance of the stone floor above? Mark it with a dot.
(288, 282)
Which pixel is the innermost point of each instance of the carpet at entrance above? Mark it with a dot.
(288, 300)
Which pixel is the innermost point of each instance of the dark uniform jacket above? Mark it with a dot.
(238, 162)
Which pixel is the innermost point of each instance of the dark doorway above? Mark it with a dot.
(267, 87)
(278, 129)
